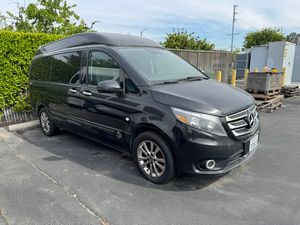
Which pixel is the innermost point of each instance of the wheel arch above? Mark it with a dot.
(39, 106)
(141, 128)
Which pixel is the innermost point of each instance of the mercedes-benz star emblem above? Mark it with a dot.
(251, 119)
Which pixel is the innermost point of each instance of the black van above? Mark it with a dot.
(136, 96)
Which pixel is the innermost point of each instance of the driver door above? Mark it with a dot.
(103, 115)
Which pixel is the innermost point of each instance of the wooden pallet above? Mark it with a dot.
(270, 105)
(265, 97)
(290, 91)
(266, 92)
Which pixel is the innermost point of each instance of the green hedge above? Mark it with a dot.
(16, 52)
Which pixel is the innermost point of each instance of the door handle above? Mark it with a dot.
(87, 93)
(72, 90)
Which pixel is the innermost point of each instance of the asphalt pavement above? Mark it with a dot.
(69, 180)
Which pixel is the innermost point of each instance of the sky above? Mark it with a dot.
(210, 19)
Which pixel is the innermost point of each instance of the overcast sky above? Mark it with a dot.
(210, 19)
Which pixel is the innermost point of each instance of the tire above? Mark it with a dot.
(46, 123)
(153, 157)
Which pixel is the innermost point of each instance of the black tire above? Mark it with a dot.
(50, 129)
(163, 151)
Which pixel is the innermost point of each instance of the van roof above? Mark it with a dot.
(92, 38)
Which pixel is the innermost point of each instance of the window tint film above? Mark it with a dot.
(40, 69)
(101, 67)
(66, 68)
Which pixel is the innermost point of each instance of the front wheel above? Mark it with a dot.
(46, 123)
(154, 158)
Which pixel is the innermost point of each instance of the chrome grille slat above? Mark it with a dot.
(237, 121)
(237, 124)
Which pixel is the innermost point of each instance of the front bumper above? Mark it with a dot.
(230, 166)
(194, 147)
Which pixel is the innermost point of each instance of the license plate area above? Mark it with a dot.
(252, 144)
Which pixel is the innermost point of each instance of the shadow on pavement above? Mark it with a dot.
(104, 160)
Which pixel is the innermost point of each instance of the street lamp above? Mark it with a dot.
(141, 32)
(94, 22)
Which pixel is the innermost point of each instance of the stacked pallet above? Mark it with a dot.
(270, 105)
(289, 91)
(265, 87)
(264, 95)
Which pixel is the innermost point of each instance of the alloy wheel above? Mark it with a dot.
(45, 122)
(151, 158)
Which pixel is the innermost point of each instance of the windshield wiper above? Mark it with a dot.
(168, 82)
(192, 78)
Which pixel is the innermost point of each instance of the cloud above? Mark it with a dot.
(208, 18)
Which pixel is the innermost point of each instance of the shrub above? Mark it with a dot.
(16, 52)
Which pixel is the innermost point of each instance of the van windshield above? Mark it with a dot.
(157, 65)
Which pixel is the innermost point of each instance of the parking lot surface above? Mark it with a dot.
(67, 179)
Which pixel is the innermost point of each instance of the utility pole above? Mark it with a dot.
(234, 19)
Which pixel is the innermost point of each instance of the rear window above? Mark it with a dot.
(40, 69)
(66, 68)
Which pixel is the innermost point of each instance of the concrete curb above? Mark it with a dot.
(21, 126)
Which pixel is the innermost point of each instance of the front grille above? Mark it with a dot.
(243, 122)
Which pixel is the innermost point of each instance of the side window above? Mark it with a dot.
(102, 67)
(130, 87)
(40, 69)
(66, 68)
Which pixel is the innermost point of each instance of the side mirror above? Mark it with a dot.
(109, 86)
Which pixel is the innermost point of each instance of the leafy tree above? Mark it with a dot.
(184, 40)
(293, 37)
(263, 36)
(45, 16)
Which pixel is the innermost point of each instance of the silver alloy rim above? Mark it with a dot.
(45, 122)
(151, 158)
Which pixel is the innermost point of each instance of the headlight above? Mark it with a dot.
(208, 123)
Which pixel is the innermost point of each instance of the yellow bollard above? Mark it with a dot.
(219, 75)
(255, 70)
(246, 73)
(283, 76)
(233, 78)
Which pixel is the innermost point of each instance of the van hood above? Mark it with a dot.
(204, 96)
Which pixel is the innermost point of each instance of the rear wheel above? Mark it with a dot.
(154, 158)
(46, 123)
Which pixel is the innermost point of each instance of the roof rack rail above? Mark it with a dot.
(95, 38)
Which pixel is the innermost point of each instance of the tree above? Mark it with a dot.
(262, 37)
(184, 40)
(294, 38)
(46, 16)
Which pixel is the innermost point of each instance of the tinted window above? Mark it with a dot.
(40, 69)
(101, 67)
(66, 68)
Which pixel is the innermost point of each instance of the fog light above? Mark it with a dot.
(210, 164)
